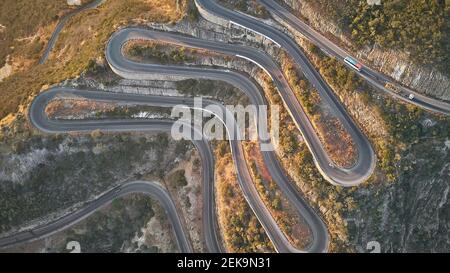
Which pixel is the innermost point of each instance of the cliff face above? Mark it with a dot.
(389, 61)
(412, 215)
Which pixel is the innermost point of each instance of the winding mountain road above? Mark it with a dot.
(126, 68)
(134, 70)
(141, 71)
(366, 159)
(39, 119)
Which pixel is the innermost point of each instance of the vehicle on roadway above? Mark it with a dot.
(353, 63)
(393, 88)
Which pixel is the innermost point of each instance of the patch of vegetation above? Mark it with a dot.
(289, 139)
(242, 231)
(155, 52)
(192, 12)
(111, 230)
(335, 138)
(178, 179)
(182, 147)
(300, 85)
(286, 216)
(418, 27)
(99, 71)
(251, 7)
(219, 90)
(133, 111)
(340, 76)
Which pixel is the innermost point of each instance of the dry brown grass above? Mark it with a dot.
(240, 228)
(84, 38)
(65, 109)
(162, 52)
(22, 21)
(290, 222)
(338, 142)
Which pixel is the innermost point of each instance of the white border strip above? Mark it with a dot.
(267, 37)
(252, 61)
